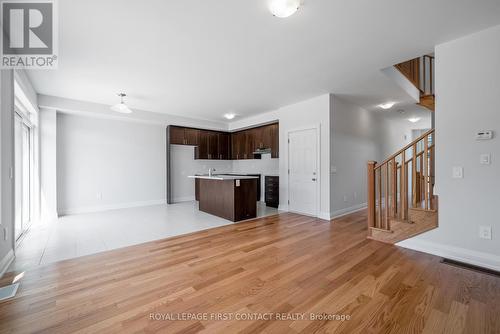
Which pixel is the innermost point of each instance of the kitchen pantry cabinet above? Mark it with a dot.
(218, 145)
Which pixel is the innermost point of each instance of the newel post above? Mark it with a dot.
(371, 192)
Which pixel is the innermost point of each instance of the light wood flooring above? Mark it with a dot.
(287, 265)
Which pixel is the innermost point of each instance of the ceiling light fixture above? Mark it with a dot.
(229, 115)
(121, 107)
(387, 105)
(414, 119)
(283, 8)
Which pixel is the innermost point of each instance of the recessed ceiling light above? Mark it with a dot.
(229, 115)
(283, 8)
(414, 119)
(121, 107)
(387, 105)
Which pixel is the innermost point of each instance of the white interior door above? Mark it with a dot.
(303, 171)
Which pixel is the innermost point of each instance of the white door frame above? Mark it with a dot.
(316, 127)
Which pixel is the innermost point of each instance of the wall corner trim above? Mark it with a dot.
(481, 259)
(6, 261)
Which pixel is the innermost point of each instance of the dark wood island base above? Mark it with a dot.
(233, 200)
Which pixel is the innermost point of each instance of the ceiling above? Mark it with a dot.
(201, 59)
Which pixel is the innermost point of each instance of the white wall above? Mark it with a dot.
(309, 113)
(48, 164)
(355, 139)
(183, 164)
(396, 130)
(104, 164)
(467, 96)
(6, 168)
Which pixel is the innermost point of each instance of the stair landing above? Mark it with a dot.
(419, 221)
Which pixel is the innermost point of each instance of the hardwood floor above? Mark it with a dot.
(289, 265)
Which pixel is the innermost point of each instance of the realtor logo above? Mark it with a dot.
(29, 34)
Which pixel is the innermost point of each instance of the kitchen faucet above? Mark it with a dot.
(210, 170)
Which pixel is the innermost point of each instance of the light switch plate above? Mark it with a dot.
(485, 232)
(485, 159)
(238, 183)
(458, 172)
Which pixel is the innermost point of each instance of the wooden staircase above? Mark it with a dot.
(420, 72)
(401, 200)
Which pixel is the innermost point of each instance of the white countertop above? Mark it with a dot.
(222, 177)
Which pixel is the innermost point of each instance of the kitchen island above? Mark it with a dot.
(228, 196)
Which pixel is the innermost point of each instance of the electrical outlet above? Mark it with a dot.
(355, 195)
(485, 232)
(99, 196)
(345, 198)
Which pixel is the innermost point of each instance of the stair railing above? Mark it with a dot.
(404, 180)
(420, 71)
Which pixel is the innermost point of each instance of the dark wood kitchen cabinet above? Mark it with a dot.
(184, 136)
(274, 133)
(239, 145)
(191, 136)
(224, 145)
(208, 147)
(220, 145)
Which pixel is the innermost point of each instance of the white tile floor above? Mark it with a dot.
(79, 235)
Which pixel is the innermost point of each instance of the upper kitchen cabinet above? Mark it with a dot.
(224, 145)
(275, 140)
(176, 135)
(208, 146)
(238, 145)
(218, 145)
(184, 136)
(191, 136)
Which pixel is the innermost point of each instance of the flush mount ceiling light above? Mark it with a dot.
(229, 115)
(414, 119)
(121, 107)
(283, 8)
(387, 105)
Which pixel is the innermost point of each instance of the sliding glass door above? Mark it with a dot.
(23, 175)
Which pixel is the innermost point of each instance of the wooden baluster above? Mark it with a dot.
(404, 182)
(387, 196)
(371, 193)
(424, 75)
(380, 197)
(426, 172)
(407, 190)
(394, 191)
(431, 178)
(414, 176)
(431, 76)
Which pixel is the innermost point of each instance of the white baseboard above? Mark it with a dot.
(348, 211)
(76, 211)
(283, 207)
(6, 261)
(460, 254)
(184, 199)
(324, 215)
